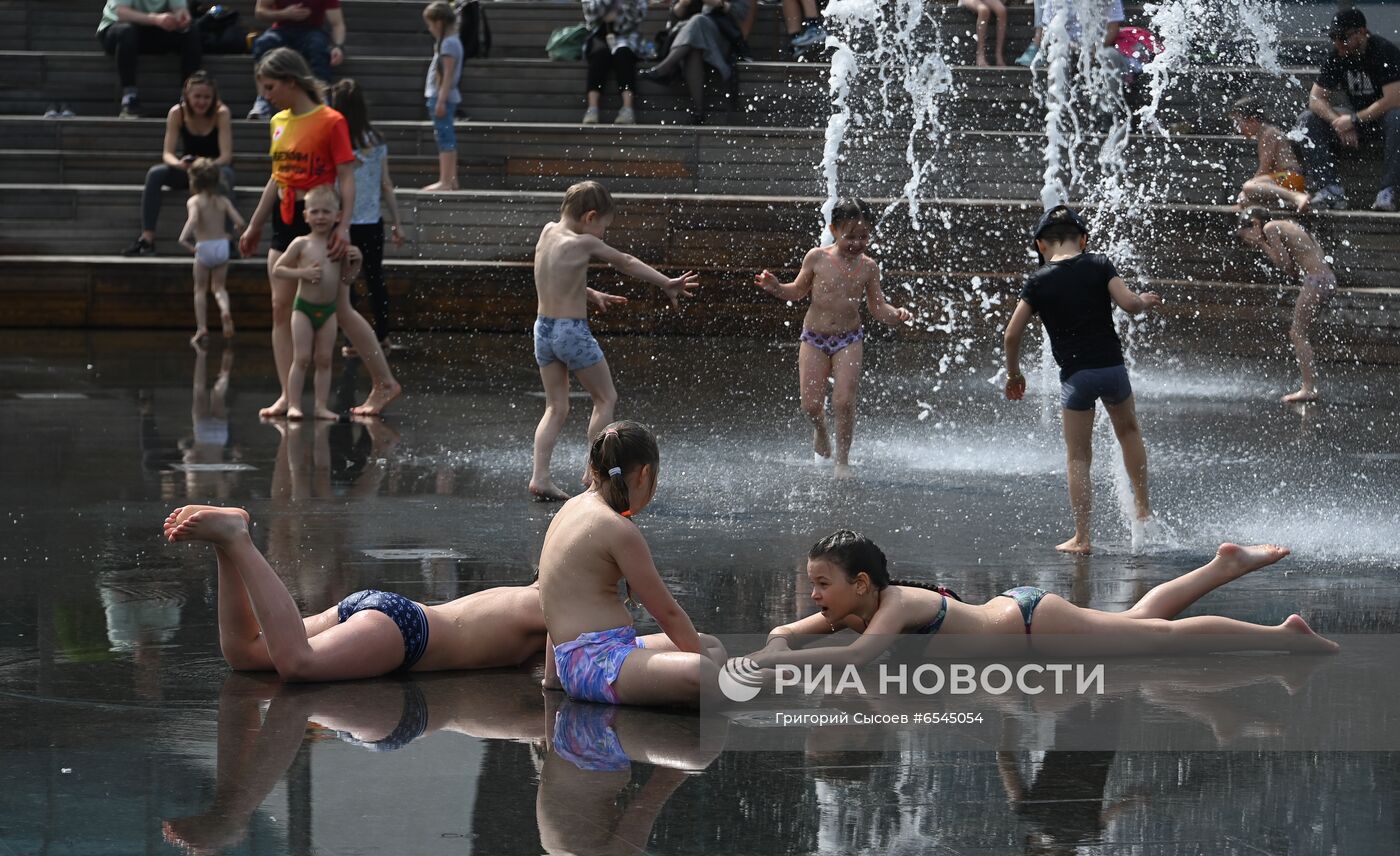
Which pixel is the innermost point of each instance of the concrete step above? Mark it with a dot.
(1213, 317)
(769, 94)
(1188, 242)
(641, 159)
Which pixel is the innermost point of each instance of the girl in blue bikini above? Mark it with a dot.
(594, 653)
(852, 589)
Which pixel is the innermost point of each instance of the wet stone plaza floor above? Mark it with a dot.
(123, 731)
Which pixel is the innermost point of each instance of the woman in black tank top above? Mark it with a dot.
(199, 126)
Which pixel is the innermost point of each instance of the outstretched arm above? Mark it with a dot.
(674, 288)
(645, 583)
(1011, 341)
(1130, 301)
(880, 309)
(877, 638)
(797, 289)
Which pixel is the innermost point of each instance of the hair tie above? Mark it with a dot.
(611, 432)
(627, 513)
(615, 471)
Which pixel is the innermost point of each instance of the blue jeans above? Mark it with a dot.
(1319, 149)
(443, 130)
(313, 45)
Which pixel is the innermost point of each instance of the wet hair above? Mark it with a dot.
(347, 99)
(852, 208)
(1062, 227)
(584, 197)
(286, 64)
(618, 450)
(323, 193)
(1248, 107)
(854, 554)
(440, 12)
(201, 78)
(204, 176)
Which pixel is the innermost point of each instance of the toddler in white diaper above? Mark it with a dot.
(206, 235)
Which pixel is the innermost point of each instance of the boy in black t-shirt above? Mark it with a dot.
(1073, 293)
(1366, 69)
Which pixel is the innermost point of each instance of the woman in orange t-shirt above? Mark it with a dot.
(310, 147)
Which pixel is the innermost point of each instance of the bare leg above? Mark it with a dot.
(366, 645)
(219, 280)
(303, 342)
(813, 368)
(984, 14)
(555, 377)
(597, 380)
(1264, 190)
(1123, 415)
(1305, 312)
(361, 336)
(845, 370)
(324, 344)
(665, 678)
(999, 10)
(201, 303)
(284, 291)
(1055, 615)
(1079, 454)
(1230, 563)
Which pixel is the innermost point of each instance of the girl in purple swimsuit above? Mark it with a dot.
(594, 652)
(836, 277)
(852, 589)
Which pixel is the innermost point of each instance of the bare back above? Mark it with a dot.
(493, 628)
(208, 216)
(1301, 254)
(578, 569)
(837, 288)
(561, 271)
(1276, 152)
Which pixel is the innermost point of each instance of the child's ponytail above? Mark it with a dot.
(615, 453)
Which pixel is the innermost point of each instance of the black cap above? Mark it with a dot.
(1055, 216)
(1346, 21)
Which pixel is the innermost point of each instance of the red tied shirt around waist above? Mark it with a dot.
(306, 150)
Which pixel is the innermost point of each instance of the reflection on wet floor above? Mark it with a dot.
(122, 727)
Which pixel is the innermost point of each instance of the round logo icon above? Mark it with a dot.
(740, 679)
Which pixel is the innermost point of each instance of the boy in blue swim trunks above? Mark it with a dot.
(563, 342)
(1074, 293)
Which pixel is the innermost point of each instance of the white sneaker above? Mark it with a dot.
(1330, 197)
(1386, 200)
(590, 116)
(625, 116)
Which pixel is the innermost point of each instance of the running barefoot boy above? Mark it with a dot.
(1074, 294)
(836, 277)
(563, 342)
(1296, 253)
(206, 235)
(319, 279)
(1278, 180)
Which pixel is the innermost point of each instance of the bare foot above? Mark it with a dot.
(844, 471)
(1304, 203)
(821, 443)
(203, 833)
(227, 321)
(199, 336)
(1296, 624)
(1078, 546)
(294, 414)
(547, 492)
(349, 352)
(982, 62)
(1303, 394)
(205, 523)
(1236, 561)
(326, 413)
(274, 410)
(442, 185)
(379, 398)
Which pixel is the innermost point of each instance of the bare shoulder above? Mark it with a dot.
(869, 267)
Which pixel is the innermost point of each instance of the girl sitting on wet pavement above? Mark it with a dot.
(369, 633)
(594, 653)
(852, 588)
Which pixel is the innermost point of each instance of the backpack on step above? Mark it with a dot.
(473, 29)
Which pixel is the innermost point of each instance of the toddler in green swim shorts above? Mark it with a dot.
(319, 280)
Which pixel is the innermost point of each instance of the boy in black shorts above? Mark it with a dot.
(1073, 293)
